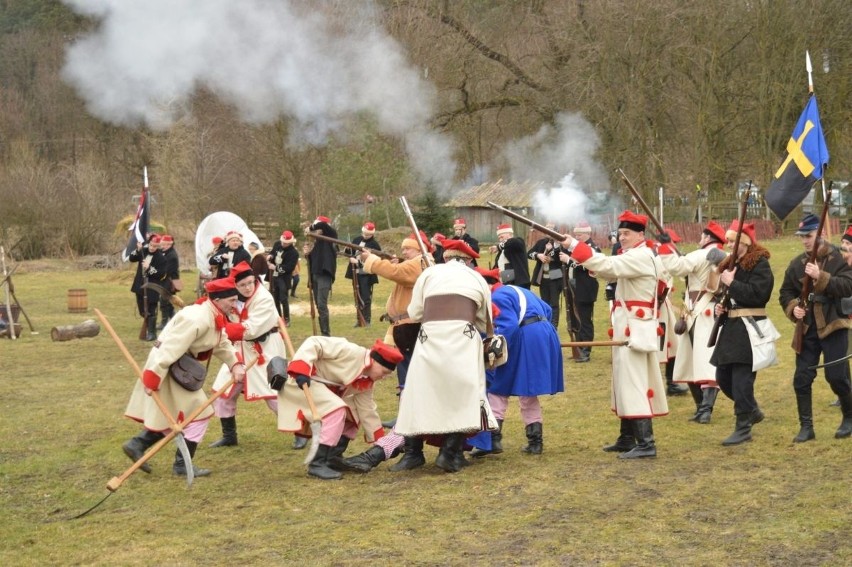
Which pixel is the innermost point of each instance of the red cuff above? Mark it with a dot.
(235, 331)
(151, 380)
(299, 367)
(582, 252)
(665, 249)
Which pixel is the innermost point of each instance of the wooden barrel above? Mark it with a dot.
(78, 301)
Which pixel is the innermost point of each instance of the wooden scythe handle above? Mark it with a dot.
(291, 353)
(154, 394)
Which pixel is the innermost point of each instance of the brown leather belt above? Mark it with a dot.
(449, 308)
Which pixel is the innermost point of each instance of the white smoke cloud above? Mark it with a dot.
(269, 58)
(563, 157)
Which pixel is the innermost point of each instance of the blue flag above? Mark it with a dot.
(807, 156)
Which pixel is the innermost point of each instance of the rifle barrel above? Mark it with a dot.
(543, 229)
(351, 246)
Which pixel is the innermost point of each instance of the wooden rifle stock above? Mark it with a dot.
(311, 296)
(359, 304)
(804, 298)
(726, 298)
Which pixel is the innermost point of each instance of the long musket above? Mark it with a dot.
(359, 303)
(726, 298)
(804, 298)
(638, 197)
(570, 305)
(311, 296)
(380, 253)
(427, 257)
(143, 332)
(570, 313)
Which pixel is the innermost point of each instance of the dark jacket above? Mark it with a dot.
(540, 247)
(515, 252)
(586, 285)
(156, 268)
(751, 288)
(323, 256)
(171, 267)
(370, 243)
(284, 258)
(834, 283)
(224, 267)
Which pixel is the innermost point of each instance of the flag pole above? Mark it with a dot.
(810, 70)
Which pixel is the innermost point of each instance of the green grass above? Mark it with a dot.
(769, 502)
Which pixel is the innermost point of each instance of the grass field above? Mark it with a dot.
(768, 502)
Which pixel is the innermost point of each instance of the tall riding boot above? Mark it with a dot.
(229, 432)
(137, 446)
(496, 443)
(806, 418)
(534, 439)
(673, 389)
(697, 397)
(707, 405)
(742, 433)
(413, 456)
(625, 441)
(335, 456)
(448, 456)
(645, 447)
(179, 468)
(845, 429)
(151, 334)
(319, 468)
(366, 461)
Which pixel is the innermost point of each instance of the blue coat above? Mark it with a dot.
(534, 367)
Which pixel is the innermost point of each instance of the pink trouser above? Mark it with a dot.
(194, 430)
(227, 407)
(390, 443)
(334, 426)
(530, 407)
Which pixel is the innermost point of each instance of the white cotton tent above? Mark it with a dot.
(219, 224)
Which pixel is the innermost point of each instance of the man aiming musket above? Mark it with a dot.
(637, 385)
(362, 282)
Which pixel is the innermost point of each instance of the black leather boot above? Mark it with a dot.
(319, 466)
(806, 418)
(299, 442)
(697, 397)
(448, 460)
(645, 447)
(151, 334)
(625, 441)
(179, 468)
(673, 389)
(496, 443)
(366, 461)
(535, 443)
(757, 416)
(413, 457)
(845, 429)
(742, 432)
(229, 432)
(137, 446)
(707, 404)
(335, 456)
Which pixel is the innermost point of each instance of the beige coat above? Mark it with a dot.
(258, 315)
(693, 355)
(637, 386)
(192, 330)
(337, 368)
(403, 274)
(445, 388)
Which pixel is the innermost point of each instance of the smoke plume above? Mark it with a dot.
(317, 64)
